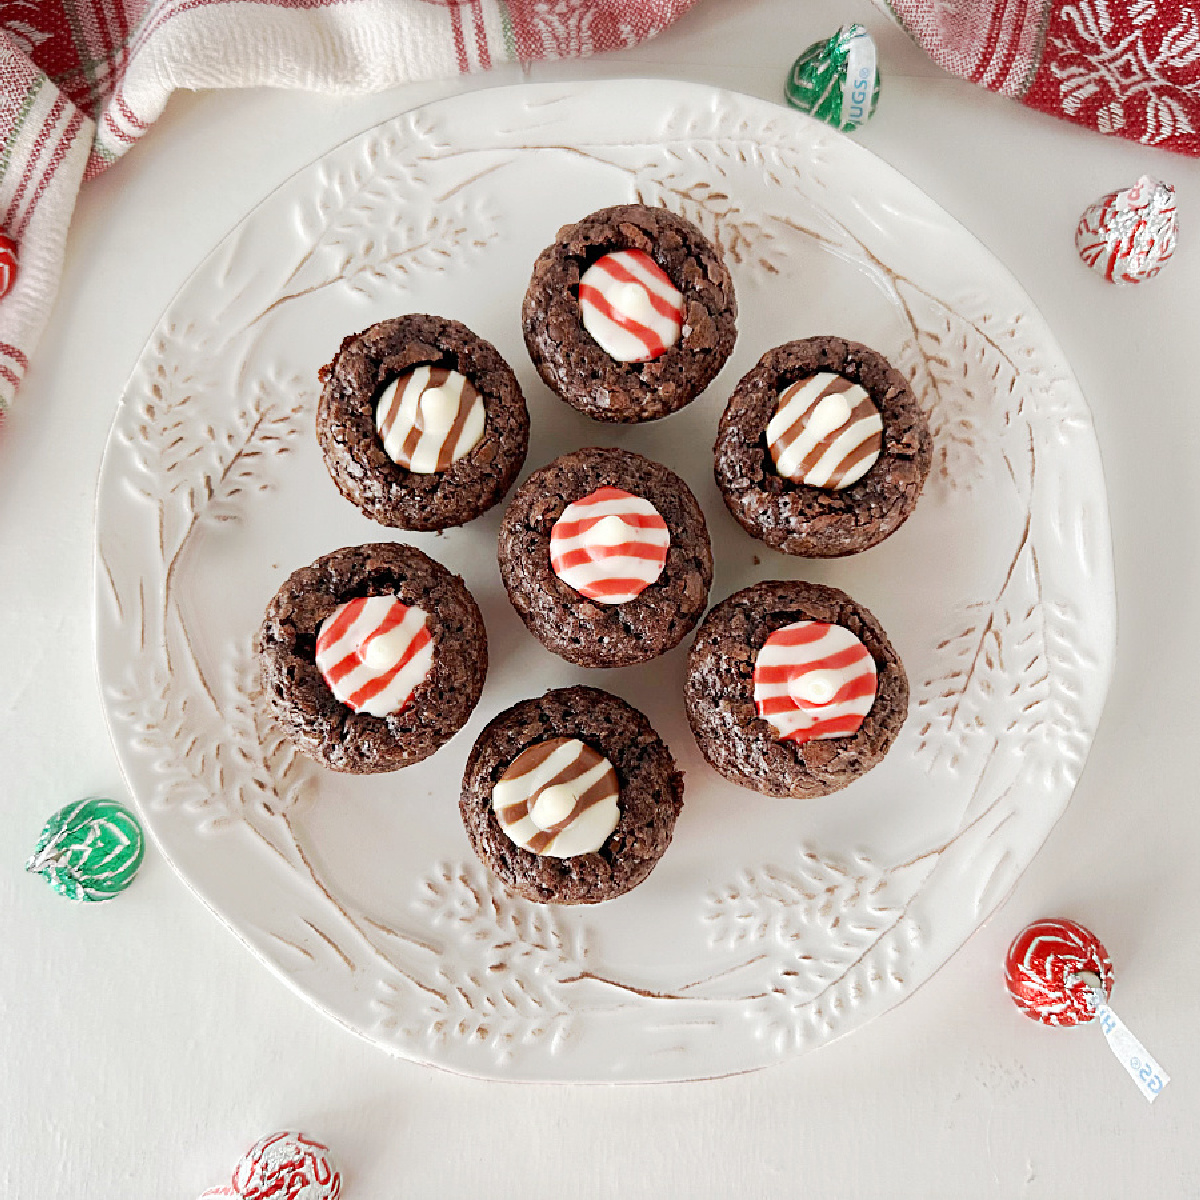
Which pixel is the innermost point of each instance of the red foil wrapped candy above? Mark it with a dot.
(1054, 968)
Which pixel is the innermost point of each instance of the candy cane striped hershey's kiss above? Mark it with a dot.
(630, 306)
(374, 652)
(814, 680)
(609, 546)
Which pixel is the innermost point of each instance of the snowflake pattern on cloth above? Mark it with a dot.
(1127, 67)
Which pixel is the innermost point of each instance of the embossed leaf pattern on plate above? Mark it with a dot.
(768, 928)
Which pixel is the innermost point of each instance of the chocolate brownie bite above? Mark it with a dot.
(605, 556)
(373, 657)
(570, 798)
(422, 424)
(822, 450)
(630, 313)
(793, 689)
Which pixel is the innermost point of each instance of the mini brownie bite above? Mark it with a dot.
(421, 422)
(605, 556)
(570, 798)
(822, 450)
(630, 313)
(793, 689)
(373, 657)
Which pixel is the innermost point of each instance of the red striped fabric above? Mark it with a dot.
(107, 67)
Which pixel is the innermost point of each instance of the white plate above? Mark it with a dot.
(769, 927)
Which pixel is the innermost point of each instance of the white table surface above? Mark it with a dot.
(143, 1049)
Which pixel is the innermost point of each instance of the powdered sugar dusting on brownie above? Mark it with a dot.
(429, 418)
(630, 306)
(609, 546)
(374, 652)
(814, 680)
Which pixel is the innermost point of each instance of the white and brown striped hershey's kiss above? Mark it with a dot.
(558, 797)
(429, 418)
(826, 432)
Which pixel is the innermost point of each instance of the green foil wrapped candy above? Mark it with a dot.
(90, 850)
(837, 80)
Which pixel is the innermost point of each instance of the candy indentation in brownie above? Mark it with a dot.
(374, 652)
(609, 546)
(826, 432)
(429, 418)
(813, 680)
(559, 798)
(630, 306)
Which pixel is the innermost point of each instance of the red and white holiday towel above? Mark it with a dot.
(1129, 67)
(82, 80)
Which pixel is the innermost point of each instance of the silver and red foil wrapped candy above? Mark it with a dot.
(1054, 968)
(283, 1166)
(1129, 236)
(1059, 973)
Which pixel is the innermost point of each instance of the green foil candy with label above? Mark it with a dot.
(90, 850)
(837, 80)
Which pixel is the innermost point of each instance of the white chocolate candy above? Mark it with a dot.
(558, 798)
(826, 432)
(429, 418)
(555, 804)
(814, 680)
(609, 545)
(814, 687)
(610, 531)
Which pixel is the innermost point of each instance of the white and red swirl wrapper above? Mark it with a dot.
(374, 652)
(814, 680)
(1129, 236)
(630, 306)
(287, 1166)
(610, 546)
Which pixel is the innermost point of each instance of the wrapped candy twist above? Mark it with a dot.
(1053, 971)
(90, 850)
(1129, 236)
(837, 80)
(287, 1166)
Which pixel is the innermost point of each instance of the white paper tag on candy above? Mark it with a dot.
(1130, 1053)
(860, 80)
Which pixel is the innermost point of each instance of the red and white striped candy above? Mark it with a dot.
(813, 680)
(287, 1166)
(1051, 970)
(630, 306)
(374, 652)
(1129, 236)
(609, 546)
(8, 264)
